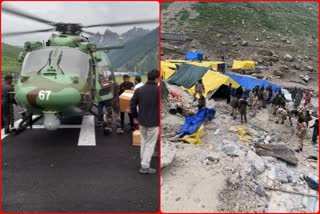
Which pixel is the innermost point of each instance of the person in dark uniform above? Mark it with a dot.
(7, 99)
(315, 132)
(126, 85)
(201, 102)
(228, 93)
(243, 109)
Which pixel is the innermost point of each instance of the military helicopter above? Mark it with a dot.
(61, 77)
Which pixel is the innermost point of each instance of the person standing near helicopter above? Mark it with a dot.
(7, 100)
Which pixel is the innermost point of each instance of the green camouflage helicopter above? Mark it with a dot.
(61, 77)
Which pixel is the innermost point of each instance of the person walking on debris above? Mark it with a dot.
(265, 98)
(137, 82)
(228, 93)
(281, 114)
(199, 89)
(269, 89)
(256, 90)
(239, 92)
(260, 96)
(235, 106)
(126, 85)
(147, 98)
(275, 103)
(201, 102)
(307, 98)
(7, 100)
(294, 123)
(315, 132)
(254, 105)
(243, 109)
(293, 94)
(298, 98)
(302, 132)
(251, 98)
(282, 100)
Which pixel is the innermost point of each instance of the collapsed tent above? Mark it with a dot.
(192, 123)
(243, 65)
(250, 82)
(190, 55)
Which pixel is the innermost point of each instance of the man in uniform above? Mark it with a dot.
(7, 90)
(281, 114)
(126, 85)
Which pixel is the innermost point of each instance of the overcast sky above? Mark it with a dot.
(85, 13)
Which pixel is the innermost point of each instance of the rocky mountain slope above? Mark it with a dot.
(280, 37)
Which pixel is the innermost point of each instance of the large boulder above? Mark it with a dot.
(256, 161)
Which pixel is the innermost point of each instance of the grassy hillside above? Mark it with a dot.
(9, 58)
(139, 55)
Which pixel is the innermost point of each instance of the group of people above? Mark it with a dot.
(259, 97)
(144, 107)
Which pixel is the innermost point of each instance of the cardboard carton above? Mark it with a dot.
(124, 101)
(136, 138)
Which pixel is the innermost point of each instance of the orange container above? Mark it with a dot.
(136, 138)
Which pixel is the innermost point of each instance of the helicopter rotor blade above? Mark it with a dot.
(123, 23)
(17, 12)
(26, 32)
(88, 32)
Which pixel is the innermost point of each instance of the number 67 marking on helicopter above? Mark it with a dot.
(44, 95)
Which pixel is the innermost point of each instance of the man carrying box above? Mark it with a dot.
(147, 98)
(126, 85)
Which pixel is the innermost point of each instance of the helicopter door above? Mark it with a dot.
(104, 85)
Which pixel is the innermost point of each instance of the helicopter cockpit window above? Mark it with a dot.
(65, 60)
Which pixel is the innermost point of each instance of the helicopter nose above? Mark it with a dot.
(53, 100)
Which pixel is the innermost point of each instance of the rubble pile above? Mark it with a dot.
(247, 167)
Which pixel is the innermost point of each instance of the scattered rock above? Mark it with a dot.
(233, 129)
(309, 68)
(256, 161)
(296, 66)
(168, 153)
(284, 68)
(277, 73)
(213, 156)
(232, 150)
(244, 43)
(218, 35)
(265, 52)
(224, 43)
(288, 58)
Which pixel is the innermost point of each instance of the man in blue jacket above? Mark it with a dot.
(147, 98)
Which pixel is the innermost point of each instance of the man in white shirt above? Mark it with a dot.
(137, 82)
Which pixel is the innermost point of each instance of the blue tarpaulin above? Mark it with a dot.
(250, 82)
(192, 123)
(194, 55)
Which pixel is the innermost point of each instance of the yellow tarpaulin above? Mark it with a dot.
(244, 135)
(167, 69)
(208, 64)
(244, 65)
(195, 138)
(214, 80)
